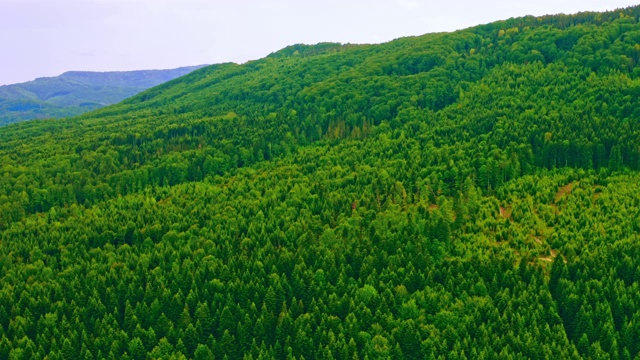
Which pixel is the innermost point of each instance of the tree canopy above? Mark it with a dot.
(459, 195)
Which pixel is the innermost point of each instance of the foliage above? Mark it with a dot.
(462, 195)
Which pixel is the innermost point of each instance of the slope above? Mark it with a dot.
(341, 201)
(75, 92)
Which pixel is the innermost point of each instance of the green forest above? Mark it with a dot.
(464, 195)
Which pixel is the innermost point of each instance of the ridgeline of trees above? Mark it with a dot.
(466, 195)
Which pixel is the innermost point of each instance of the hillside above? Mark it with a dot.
(77, 92)
(458, 195)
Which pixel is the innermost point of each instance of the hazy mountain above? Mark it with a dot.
(76, 92)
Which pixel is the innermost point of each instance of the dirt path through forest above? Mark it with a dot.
(563, 190)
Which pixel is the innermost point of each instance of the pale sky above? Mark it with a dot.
(48, 37)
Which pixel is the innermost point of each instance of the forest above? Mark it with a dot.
(464, 195)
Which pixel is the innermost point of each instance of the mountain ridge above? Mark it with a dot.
(75, 92)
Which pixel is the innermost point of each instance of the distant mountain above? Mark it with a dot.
(76, 92)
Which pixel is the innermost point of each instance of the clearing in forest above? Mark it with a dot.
(505, 212)
(563, 190)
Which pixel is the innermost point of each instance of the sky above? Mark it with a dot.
(41, 38)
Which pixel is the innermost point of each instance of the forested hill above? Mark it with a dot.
(76, 92)
(458, 195)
